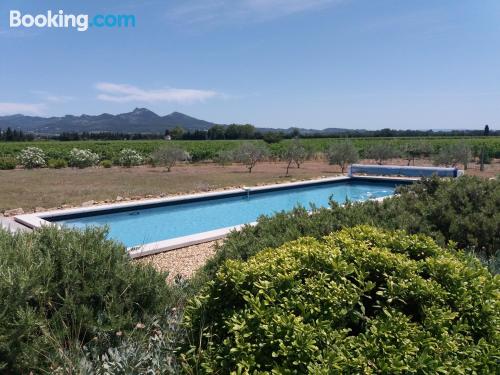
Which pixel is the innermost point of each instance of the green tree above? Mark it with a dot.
(168, 156)
(250, 154)
(342, 154)
(413, 150)
(458, 153)
(217, 132)
(272, 137)
(294, 152)
(177, 132)
(381, 151)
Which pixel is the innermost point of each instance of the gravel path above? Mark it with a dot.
(184, 261)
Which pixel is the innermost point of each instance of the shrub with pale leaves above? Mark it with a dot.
(82, 158)
(32, 157)
(129, 158)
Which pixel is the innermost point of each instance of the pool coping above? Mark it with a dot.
(37, 220)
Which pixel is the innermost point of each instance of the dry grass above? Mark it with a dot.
(56, 187)
(50, 188)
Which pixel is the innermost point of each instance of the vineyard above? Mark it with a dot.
(208, 150)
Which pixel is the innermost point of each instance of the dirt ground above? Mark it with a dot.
(50, 188)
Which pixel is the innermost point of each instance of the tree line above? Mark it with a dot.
(15, 135)
(242, 132)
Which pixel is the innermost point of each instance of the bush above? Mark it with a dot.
(82, 158)
(7, 162)
(57, 163)
(129, 158)
(32, 157)
(358, 301)
(60, 289)
(464, 210)
(106, 164)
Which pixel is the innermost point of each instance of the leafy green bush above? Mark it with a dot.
(7, 163)
(106, 163)
(57, 163)
(464, 210)
(358, 301)
(61, 289)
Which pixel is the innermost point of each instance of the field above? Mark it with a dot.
(207, 150)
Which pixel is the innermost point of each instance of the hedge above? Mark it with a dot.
(361, 300)
(64, 289)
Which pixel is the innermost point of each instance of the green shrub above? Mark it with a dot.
(60, 289)
(358, 301)
(106, 163)
(7, 162)
(465, 210)
(57, 163)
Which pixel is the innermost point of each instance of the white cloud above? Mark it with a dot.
(212, 11)
(47, 96)
(123, 93)
(21, 108)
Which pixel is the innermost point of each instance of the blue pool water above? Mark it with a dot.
(146, 225)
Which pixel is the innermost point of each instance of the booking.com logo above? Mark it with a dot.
(80, 22)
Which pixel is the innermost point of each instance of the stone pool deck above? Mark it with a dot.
(11, 225)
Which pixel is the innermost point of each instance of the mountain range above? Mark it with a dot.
(140, 120)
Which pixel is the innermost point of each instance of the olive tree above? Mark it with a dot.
(168, 156)
(413, 150)
(294, 152)
(249, 154)
(458, 153)
(342, 154)
(381, 152)
(224, 157)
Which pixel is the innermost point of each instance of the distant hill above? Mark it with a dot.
(140, 120)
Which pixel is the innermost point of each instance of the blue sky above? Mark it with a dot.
(279, 63)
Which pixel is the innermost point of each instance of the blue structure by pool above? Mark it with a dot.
(145, 224)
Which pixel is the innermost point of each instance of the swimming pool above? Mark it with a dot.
(138, 225)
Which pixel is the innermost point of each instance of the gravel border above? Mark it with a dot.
(184, 261)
